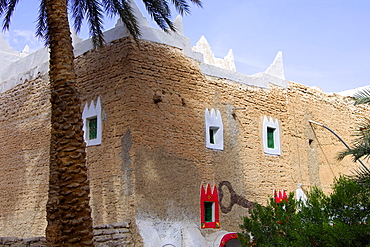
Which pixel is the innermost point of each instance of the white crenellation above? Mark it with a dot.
(277, 68)
(16, 67)
(203, 47)
(26, 51)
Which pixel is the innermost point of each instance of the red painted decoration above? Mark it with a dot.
(280, 196)
(206, 197)
(227, 238)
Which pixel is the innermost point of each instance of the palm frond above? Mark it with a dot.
(160, 12)
(95, 22)
(197, 2)
(126, 13)
(78, 9)
(361, 145)
(182, 6)
(42, 26)
(362, 133)
(362, 96)
(3, 5)
(356, 152)
(361, 175)
(7, 9)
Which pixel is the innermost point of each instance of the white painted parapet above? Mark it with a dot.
(24, 68)
(225, 68)
(203, 47)
(16, 67)
(7, 54)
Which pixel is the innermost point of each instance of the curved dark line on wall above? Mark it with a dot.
(234, 198)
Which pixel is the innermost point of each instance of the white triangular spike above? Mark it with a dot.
(141, 20)
(98, 103)
(179, 25)
(229, 60)
(203, 47)
(26, 51)
(277, 67)
(218, 114)
(213, 113)
(92, 105)
(86, 109)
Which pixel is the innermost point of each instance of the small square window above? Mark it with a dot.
(92, 123)
(92, 128)
(212, 135)
(214, 130)
(270, 137)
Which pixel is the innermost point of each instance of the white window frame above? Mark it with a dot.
(273, 124)
(213, 120)
(91, 111)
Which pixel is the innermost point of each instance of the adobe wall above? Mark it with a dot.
(116, 234)
(104, 73)
(153, 158)
(24, 158)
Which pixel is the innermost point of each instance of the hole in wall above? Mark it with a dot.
(311, 143)
(157, 98)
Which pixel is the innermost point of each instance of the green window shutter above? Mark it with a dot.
(93, 128)
(208, 211)
(211, 135)
(270, 137)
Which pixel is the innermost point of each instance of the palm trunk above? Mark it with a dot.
(68, 210)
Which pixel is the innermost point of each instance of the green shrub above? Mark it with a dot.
(340, 219)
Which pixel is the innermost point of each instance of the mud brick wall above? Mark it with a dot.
(104, 73)
(153, 157)
(117, 234)
(22, 242)
(24, 158)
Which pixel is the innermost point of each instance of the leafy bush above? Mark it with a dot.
(340, 219)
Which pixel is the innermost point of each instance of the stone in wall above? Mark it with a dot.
(109, 235)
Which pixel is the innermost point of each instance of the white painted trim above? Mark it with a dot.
(90, 112)
(271, 123)
(213, 120)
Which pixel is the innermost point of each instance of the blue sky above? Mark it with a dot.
(325, 43)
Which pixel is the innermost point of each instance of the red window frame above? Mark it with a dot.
(207, 195)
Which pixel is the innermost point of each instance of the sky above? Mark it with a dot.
(325, 43)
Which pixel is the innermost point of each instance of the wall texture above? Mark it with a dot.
(117, 234)
(153, 158)
(25, 135)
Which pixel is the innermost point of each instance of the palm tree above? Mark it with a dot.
(68, 211)
(361, 145)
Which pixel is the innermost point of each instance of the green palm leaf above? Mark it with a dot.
(362, 96)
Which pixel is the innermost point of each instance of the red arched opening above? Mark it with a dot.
(230, 240)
